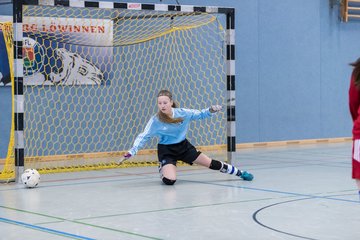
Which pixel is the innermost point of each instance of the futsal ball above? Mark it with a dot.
(30, 178)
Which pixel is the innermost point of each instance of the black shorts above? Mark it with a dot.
(184, 151)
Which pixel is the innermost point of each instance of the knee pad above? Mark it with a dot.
(168, 181)
(216, 165)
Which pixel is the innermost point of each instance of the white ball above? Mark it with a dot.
(30, 178)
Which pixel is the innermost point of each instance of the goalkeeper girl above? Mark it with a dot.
(354, 104)
(170, 124)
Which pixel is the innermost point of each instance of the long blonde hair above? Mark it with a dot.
(162, 116)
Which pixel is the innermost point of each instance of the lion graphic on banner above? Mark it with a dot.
(76, 70)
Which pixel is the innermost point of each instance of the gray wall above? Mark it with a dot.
(291, 69)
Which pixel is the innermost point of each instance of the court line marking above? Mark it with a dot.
(201, 182)
(145, 176)
(266, 190)
(43, 229)
(254, 216)
(279, 203)
(66, 220)
(277, 191)
(215, 184)
(176, 208)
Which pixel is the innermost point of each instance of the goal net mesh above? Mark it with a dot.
(7, 164)
(91, 77)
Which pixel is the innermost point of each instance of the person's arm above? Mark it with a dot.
(141, 139)
(204, 113)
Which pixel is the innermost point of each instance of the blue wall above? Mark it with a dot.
(291, 69)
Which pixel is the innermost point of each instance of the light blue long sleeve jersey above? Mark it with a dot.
(169, 133)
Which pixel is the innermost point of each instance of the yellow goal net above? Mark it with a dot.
(7, 165)
(91, 76)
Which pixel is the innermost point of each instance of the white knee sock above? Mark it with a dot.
(230, 169)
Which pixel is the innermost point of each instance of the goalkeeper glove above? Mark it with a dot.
(127, 156)
(215, 108)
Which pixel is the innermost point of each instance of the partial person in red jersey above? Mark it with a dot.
(354, 104)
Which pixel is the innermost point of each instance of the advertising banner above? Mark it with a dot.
(4, 62)
(63, 51)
